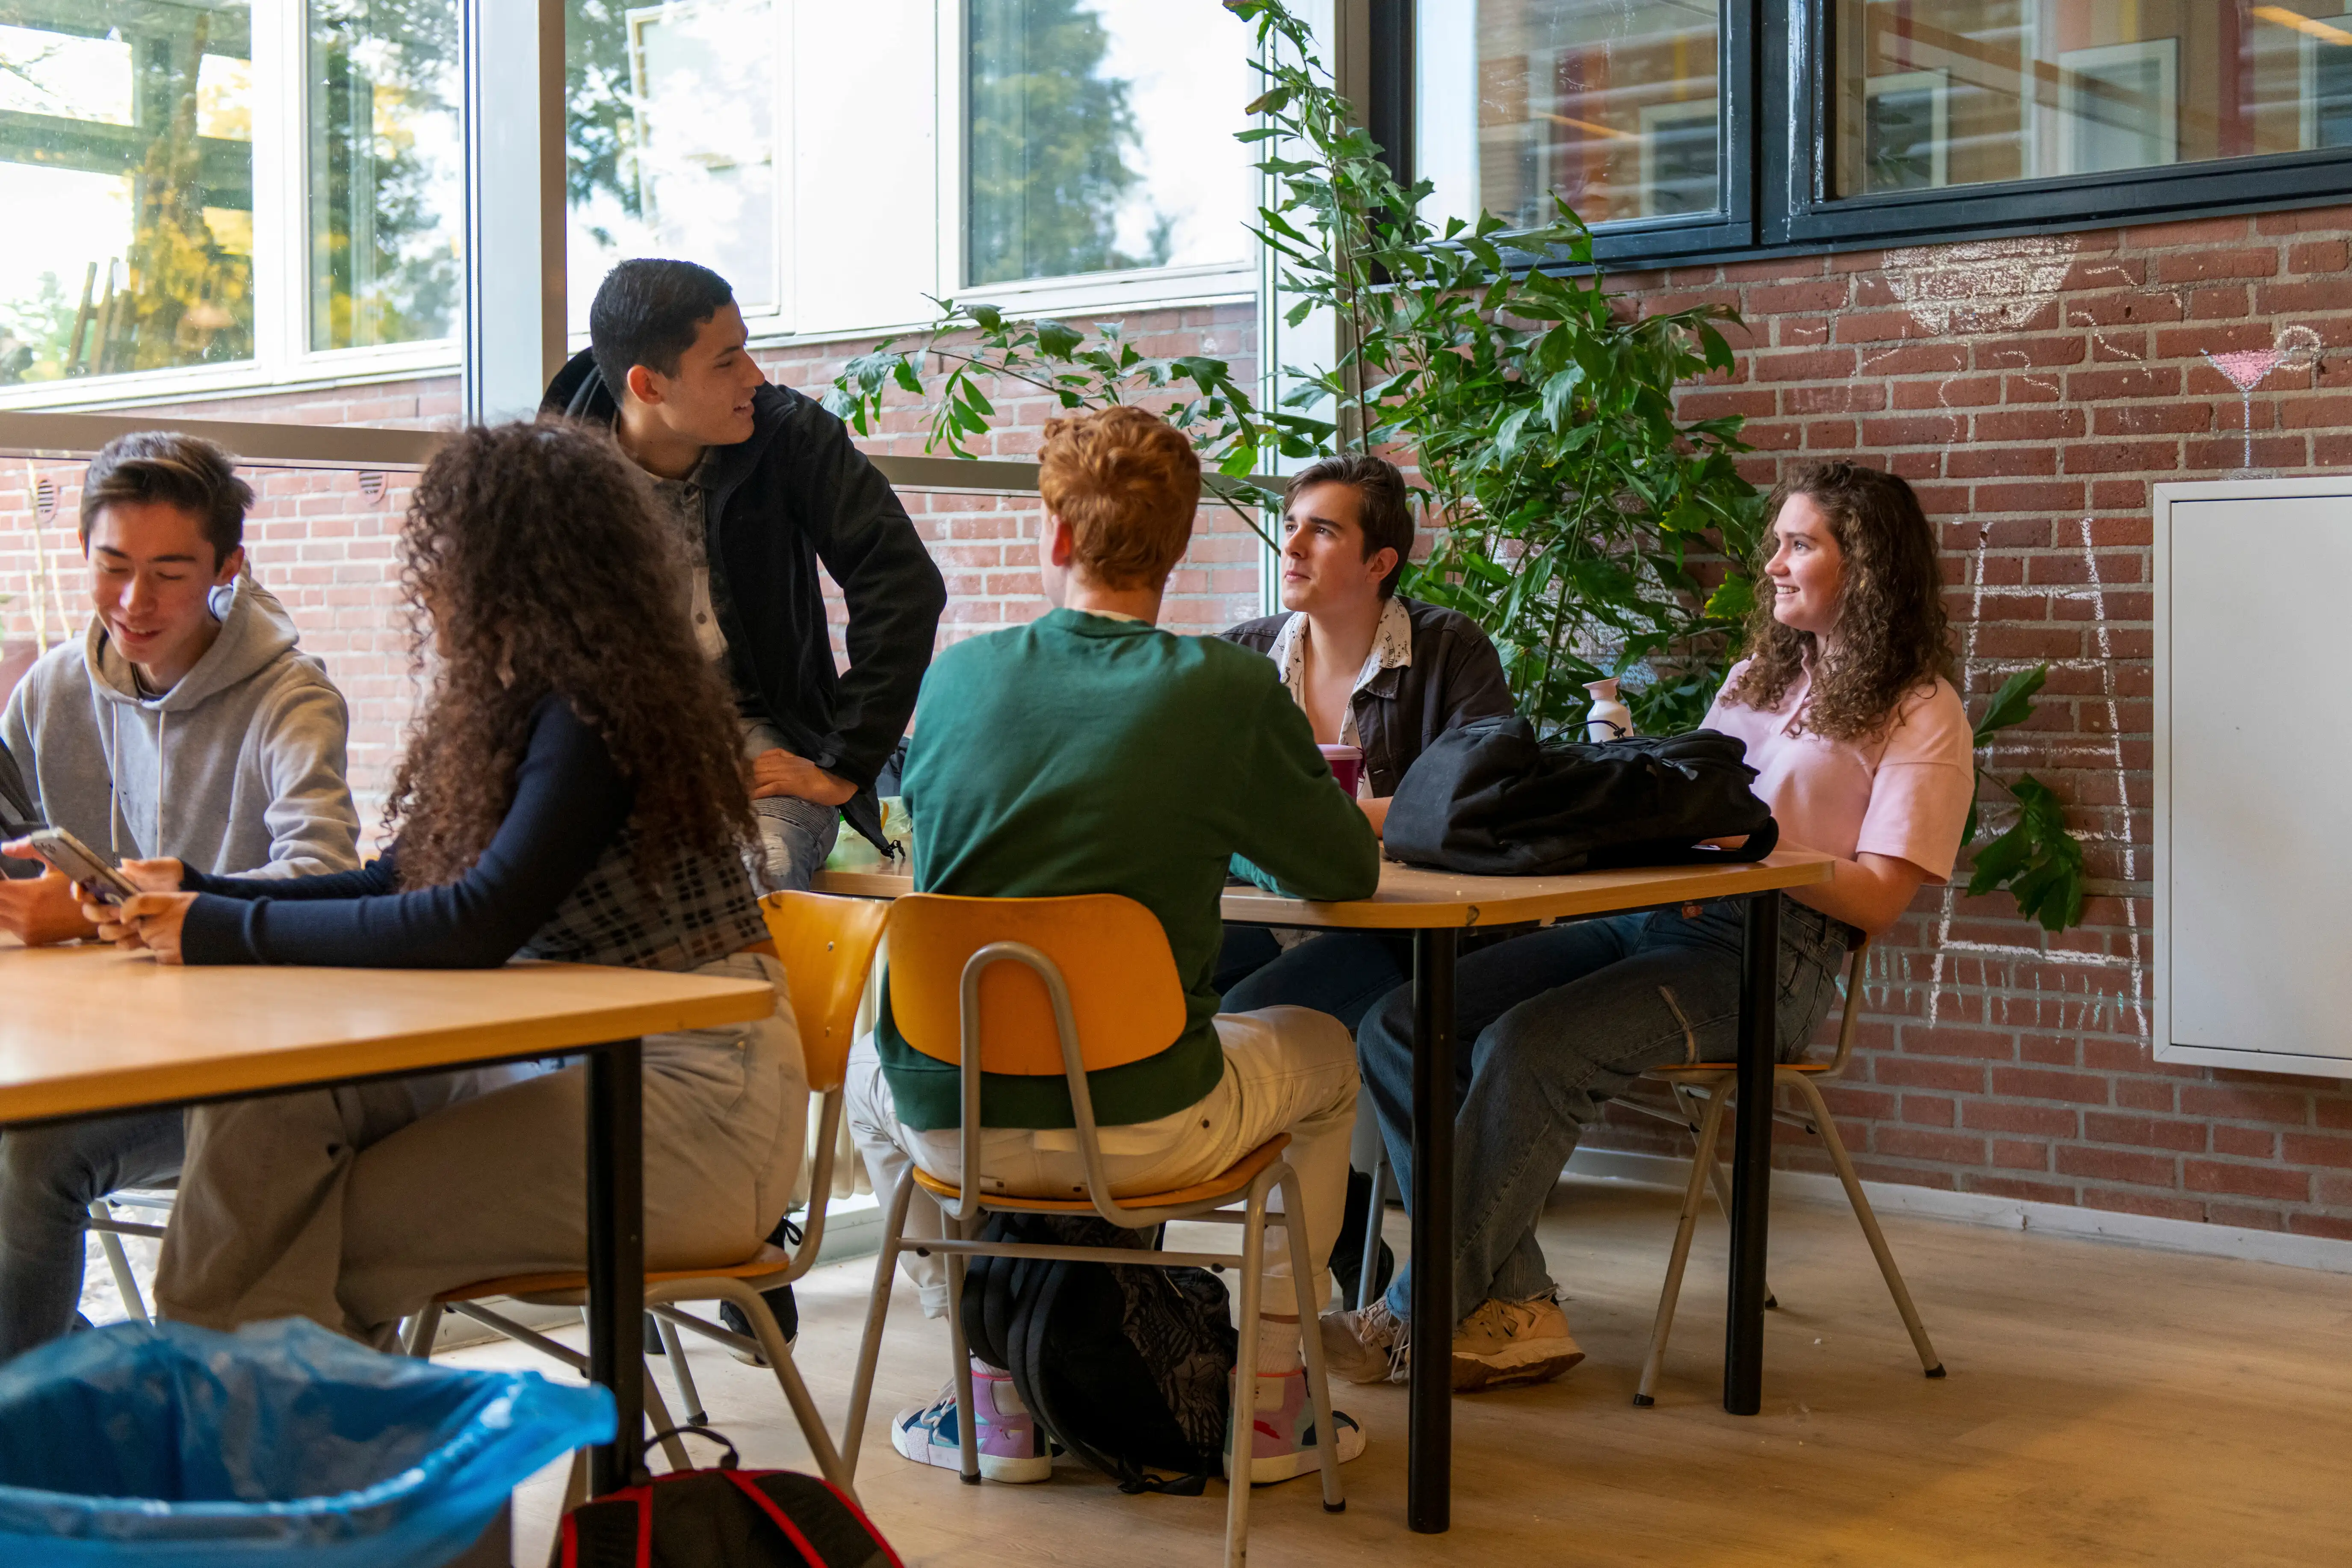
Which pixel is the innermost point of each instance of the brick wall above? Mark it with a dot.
(2034, 390)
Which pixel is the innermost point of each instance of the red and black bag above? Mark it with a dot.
(725, 1518)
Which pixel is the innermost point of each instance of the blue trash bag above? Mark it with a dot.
(173, 1446)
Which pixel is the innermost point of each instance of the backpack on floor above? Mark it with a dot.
(1129, 1367)
(1489, 799)
(725, 1518)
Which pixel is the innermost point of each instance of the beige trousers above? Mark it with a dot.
(355, 1206)
(1288, 1070)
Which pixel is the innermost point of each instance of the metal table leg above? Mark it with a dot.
(616, 1255)
(1751, 1158)
(1429, 1484)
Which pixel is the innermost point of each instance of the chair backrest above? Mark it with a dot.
(1855, 957)
(827, 946)
(1125, 997)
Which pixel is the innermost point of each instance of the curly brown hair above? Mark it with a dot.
(1892, 636)
(534, 563)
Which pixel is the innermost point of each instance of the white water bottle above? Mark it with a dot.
(1607, 719)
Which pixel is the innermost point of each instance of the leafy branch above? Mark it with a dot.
(2037, 860)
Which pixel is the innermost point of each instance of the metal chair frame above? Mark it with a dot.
(968, 1208)
(1713, 1086)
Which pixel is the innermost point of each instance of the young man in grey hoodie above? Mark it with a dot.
(185, 724)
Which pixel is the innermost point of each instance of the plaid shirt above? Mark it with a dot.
(704, 911)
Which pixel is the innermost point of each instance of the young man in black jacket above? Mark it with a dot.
(762, 485)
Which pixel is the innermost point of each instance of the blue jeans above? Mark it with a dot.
(49, 1176)
(795, 835)
(1341, 973)
(1548, 1027)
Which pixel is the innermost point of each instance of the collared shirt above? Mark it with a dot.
(1391, 649)
(681, 507)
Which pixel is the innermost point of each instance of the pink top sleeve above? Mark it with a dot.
(1905, 795)
(1926, 777)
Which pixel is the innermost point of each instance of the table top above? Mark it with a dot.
(90, 1029)
(1416, 898)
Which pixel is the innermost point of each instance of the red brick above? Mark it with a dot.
(2141, 380)
(2245, 1216)
(2122, 1202)
(1999, 1116)
(2320, 1224)
(1945, 1041)
(2037, 1083)
(2020, 1154)
(2147, 1131)
(2231, 1102)
(2024, 1191)
(2031, 424)
(2159, 418)
(1908, 1144)
(2307, 1149)
(1808, 365)
(2197, 265)
(2116, 1165)
(1930, 1110)
(2246, 1181)
(1919, 1072)
(2245, 1142)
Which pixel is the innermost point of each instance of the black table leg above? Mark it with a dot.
(1751, 1158)
(616, 1254)
(1429, 1464)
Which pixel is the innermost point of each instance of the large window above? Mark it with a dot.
(129, 131)
(1098, 138)
(1608, 105)
(1696, 127)
(672, 132)
(1974, 91)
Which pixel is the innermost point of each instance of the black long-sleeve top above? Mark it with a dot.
(557, 881)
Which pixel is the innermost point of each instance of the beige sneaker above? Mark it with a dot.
(1369, 1346)
(1512, 1341)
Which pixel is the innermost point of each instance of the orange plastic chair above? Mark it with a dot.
(827, 947)
(1040, 987)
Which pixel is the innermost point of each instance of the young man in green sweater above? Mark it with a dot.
(1091, 753)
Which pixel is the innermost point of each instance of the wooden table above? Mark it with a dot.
(91, 1030)
(1437, 907)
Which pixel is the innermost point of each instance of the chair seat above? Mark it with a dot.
(1734, 1066)
(1226, 1183)
(769, 1259)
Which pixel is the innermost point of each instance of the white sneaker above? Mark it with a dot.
(1369, 1346)
(1512, 1341)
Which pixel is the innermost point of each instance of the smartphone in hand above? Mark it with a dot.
(78, 860)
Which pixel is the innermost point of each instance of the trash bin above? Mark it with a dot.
(173, 1446)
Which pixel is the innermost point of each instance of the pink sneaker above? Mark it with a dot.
(1283, 1430)
(1013, 1446)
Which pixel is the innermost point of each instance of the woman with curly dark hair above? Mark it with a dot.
(570, 792)
(1851, 720)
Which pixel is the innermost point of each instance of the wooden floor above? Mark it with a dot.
(2104, 1404)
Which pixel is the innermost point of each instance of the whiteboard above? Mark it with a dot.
(2252, 765)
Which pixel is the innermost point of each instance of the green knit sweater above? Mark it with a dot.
(1085, 754)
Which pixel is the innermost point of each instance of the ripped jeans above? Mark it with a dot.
(1550, 1026)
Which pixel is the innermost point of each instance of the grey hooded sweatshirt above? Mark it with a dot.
(239, 769)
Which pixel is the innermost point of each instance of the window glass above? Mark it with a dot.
(386, 175)
(671, 133)
(1969, 91)
(128, 128)
(1608, 105)
(1099, 137)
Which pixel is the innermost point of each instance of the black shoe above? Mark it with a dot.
(653, 1337)
(1347, 1261)
(786, 1311)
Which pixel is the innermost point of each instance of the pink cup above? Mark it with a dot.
(1347, 766)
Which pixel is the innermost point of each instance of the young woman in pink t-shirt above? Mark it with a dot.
(1848, 708)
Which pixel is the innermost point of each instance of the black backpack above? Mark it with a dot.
(1130, 1368)
(1489, 799)
(725, 1518)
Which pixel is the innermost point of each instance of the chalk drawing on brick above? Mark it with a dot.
(2247, 369)
(2094, 1007)
(1989, 285)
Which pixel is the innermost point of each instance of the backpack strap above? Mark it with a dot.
(808, 1549)
(619, 1531)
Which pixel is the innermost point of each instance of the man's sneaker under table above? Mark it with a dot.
(1369, 1346)
(1512, 1341)
(1013, 1446)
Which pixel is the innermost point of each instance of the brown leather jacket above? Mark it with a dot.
(1454, 677)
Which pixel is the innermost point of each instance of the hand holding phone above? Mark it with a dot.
(98, 881)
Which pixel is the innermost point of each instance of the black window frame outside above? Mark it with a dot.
(1777, 76)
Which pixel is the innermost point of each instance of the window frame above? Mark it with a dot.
(1779, 69)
